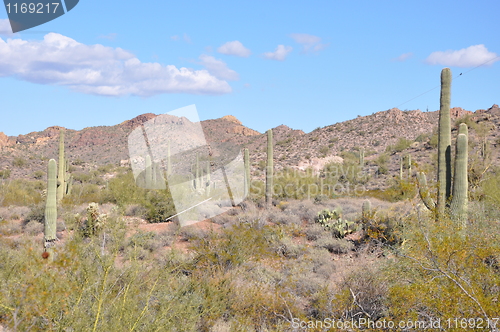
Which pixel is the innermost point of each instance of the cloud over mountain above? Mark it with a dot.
(100, 70)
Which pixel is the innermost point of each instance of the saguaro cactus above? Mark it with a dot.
(269, 168)
(365, 210)
(61, 175)
(444, 143)
(458, 202)
(208, 180)
(51, 209)
(409, 166)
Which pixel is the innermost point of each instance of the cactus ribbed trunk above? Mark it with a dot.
(366, 208)
(444, 145)
(459, 202)
(61, 175)
(51, 209)
(246, 162)
(401, 168)
(208, 184)
(269, 168)
(409, 166)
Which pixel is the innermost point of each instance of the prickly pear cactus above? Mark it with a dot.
(332, 221)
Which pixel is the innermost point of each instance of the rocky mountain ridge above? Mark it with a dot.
(375, 134)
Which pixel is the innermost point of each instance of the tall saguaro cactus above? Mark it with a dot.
(269, 168)
(444, 143)
(61, 175)
(51, 209)
(457, 203)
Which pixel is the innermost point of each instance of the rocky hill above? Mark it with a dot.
(390, 134)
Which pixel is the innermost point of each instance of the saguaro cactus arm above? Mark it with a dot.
(424, 192)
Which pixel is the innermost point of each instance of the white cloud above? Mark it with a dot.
(309, 43)
(234, 48)
(467, 57)
(109, 36)
(96, 69)
(185, 37)
(218, 68)
(5, 28)
(403, 57)
(279, 54)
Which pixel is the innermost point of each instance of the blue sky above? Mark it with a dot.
(303, 64)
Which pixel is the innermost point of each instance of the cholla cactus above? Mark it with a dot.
(95, 220)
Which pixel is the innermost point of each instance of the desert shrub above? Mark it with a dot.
(19, 162)
(159, 206)
(5, 173)
(286, 218)
(135, 210)
(145, 240)
(33, 227)
(434, 139)
(444, 270)
(324, 150)
(192, 232)
(103, 169)
(233, 246)
(385, 227)
(39, 175)
(36, 213)
(286, 247)
(314, 232)
(10, 227)
(334, 245)
(81, 177)
(363, 293)
(306, 210)
(20, 192)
